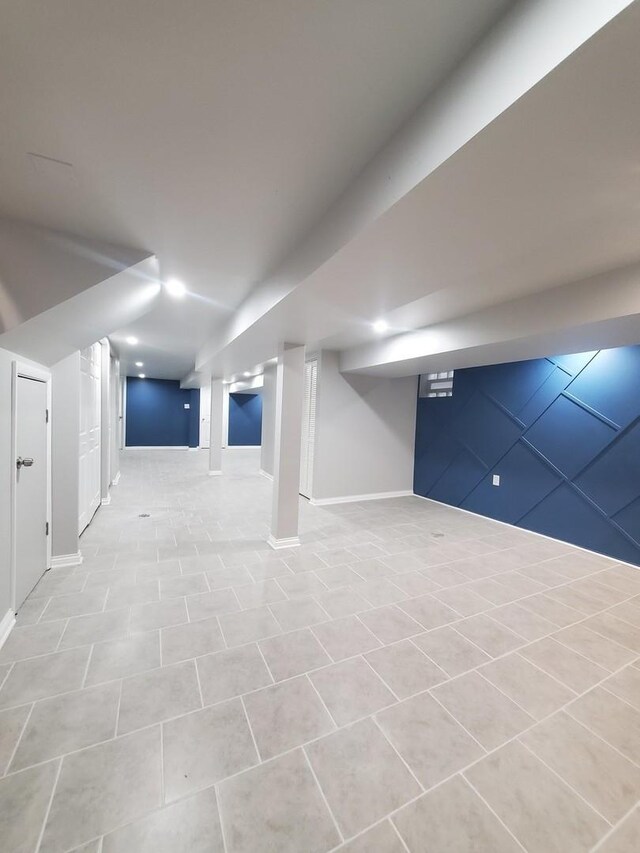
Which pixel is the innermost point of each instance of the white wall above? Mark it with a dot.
(6, 474)
(268, 418)
(65, 455)
(365, 433)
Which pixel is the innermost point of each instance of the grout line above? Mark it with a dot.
(323, 703)
(392, 745)
(322, 794)
(21, 735)
(493, 812)
(46, 815)
(253, 738)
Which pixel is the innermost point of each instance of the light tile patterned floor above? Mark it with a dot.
(411, 678)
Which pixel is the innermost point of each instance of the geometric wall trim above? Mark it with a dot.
(562, 432)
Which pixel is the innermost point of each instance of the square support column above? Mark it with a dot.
(215, 438)
(286, 457)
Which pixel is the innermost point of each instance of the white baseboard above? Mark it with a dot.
(63, 560)
(193, 448)
(347, 499)
(157, 447)
(266, 474)
(215, 473)
(242, 446)
(116, 479)
(6, 626)
(277, 544)
(106, 501)
(526, 530)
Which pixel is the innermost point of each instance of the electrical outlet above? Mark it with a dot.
(496, 479)
(187, 405)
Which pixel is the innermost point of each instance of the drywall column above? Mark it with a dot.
(65, 461)
(286, 457)
(105, 422)
(268, 420)
(115, 399)
(215, 442)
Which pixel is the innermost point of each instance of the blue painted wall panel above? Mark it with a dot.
(564, 435)
(156, 416)
(245, 419)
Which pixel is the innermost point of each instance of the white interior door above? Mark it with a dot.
(307, 443)
(90, 405)
(31, 485)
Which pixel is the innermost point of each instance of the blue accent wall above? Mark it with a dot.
(245, 419)
(562, 432)
(156, 414)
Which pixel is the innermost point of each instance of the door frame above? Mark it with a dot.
(39, 374)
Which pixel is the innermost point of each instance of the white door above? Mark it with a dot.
(308, 428)
(90, 404)
(205, 416)
(31, 485)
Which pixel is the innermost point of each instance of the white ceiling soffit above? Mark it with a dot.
(86, 317)
(528, 44)
(40, 268)
(545, 195)
(214, 133)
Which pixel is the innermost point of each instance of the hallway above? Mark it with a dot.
(412, 678)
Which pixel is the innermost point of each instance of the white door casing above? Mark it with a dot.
(307, 444)
(90, 410)
(31, 480)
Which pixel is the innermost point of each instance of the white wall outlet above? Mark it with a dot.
(187, 405)
(496, 479)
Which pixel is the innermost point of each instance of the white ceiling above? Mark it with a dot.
(211, 133)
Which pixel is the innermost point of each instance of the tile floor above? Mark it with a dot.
(411, 679)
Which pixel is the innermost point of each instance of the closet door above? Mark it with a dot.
(308, 428)
(89, 490)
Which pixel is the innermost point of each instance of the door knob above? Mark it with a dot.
(27, 462)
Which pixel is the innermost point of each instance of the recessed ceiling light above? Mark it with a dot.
(142, 376)
(131, 340)
(380, 326)
(139, 363)
(246, 373)
(175, 288)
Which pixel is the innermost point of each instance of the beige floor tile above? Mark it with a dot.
(607, 595)
(597, 648)
(342, 602)
(40, 677)
(293, 654)
(193, 639)
(529, 687)
(577, 599)
(128, 596)
(405, 668)
(58, 582)
(616, 630)
(343, 638)
(74, 604)
(204, 747)
(429, 612)
(628, 611)
(248, 626)
(30, 611)
(543, 813)
(414, 583)
(432, 743)
(192, 825)
(182, 586)
(490, 636)
(453, 818)
(351, 690)
(225, 578)
(96, 628)
(302, 585)
(611, 719)
(24, 799)
(380, 592)
(486, 713)
(463, 600)
(67, 723)
(625, 837)
(274, 568)
(361, 775)
(554, 611)
(11, 725)
(450, 650)
(276, 807)
(567, 666)
(160, 614)
(258, 594)
(298, 613)
(625, 685)
(208, 604)
(382, 838)
(337, 577)
(390, 624)
(103, 787)
(158, 695)
(521, 621)
(607, 781)
(230, 673)
(121, 658)
(286, 715)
